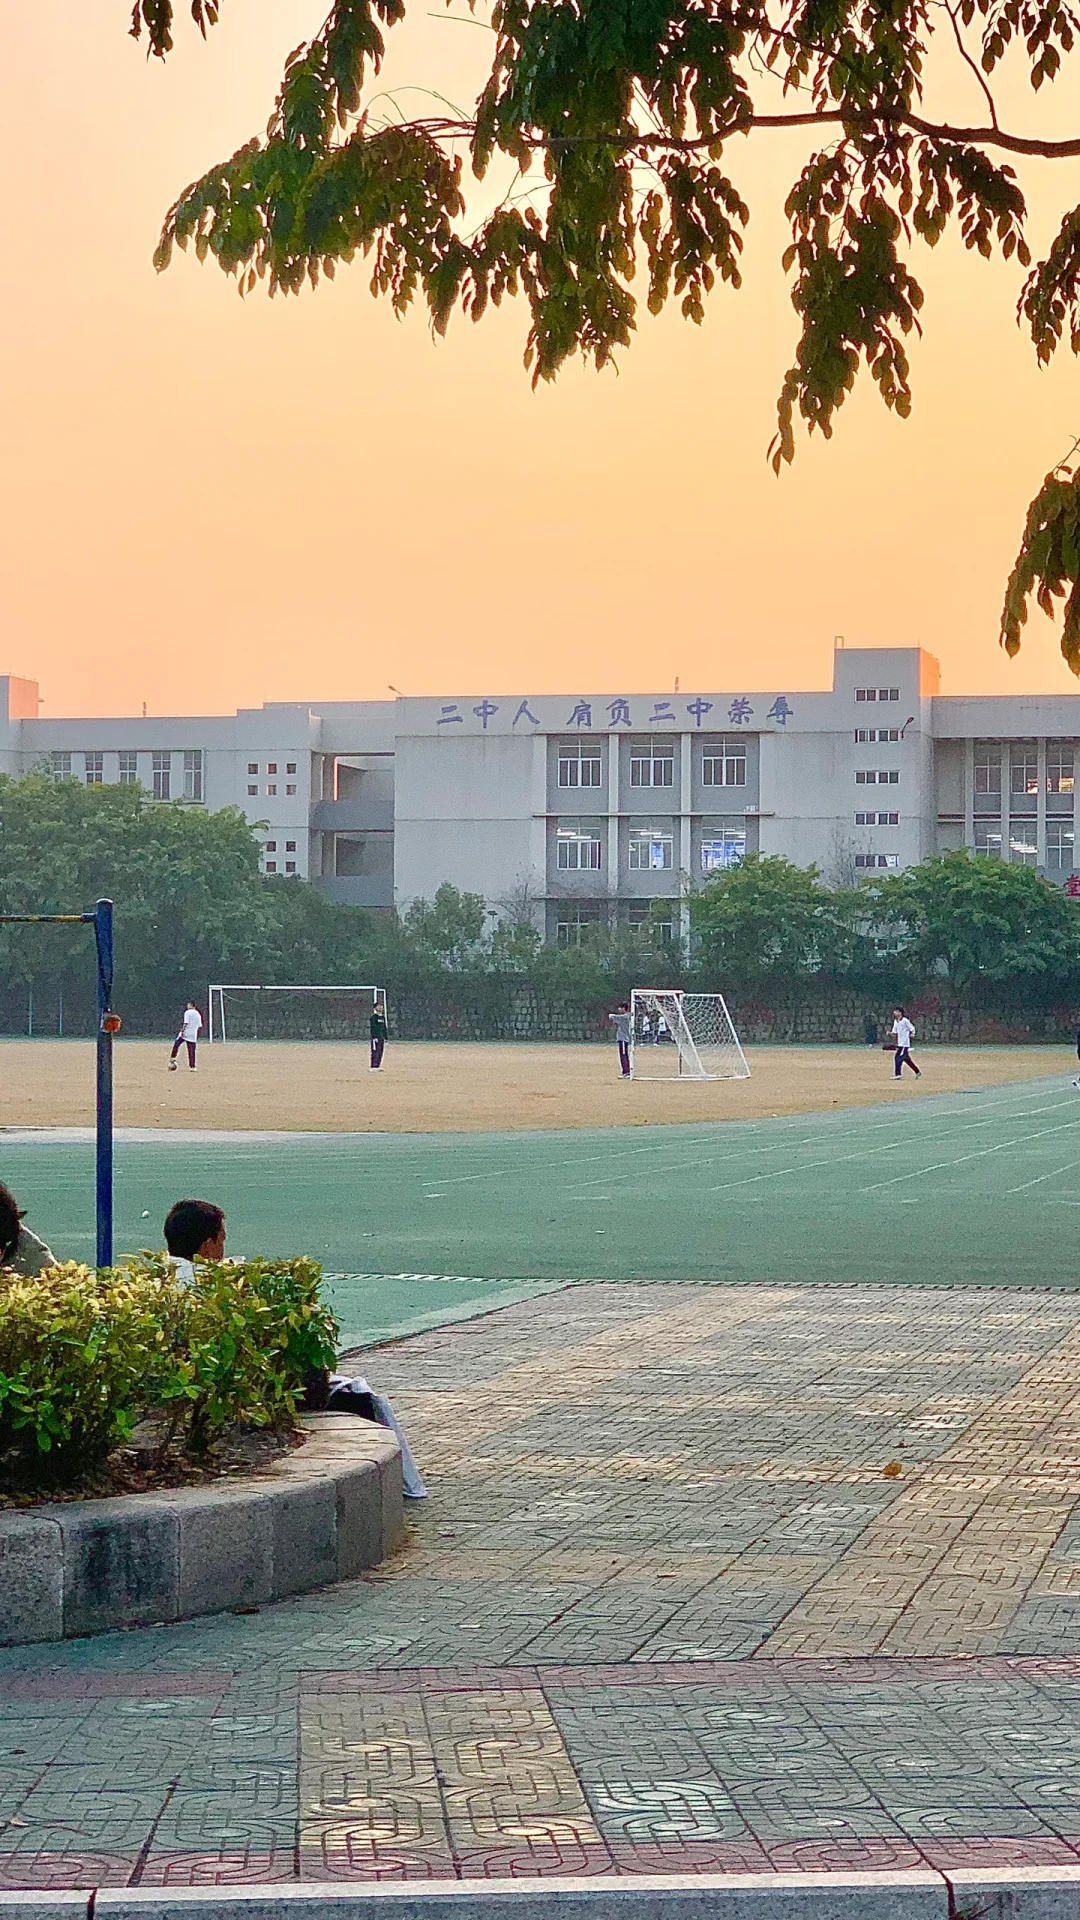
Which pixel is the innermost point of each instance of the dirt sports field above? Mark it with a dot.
(427, 1087)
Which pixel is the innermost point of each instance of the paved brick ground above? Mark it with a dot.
(664, 1611)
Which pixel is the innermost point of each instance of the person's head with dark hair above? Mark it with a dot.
(10, 1222)
(195, 1230)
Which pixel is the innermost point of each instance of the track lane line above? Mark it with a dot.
(959, 1160)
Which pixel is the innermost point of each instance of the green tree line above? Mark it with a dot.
(192, 906)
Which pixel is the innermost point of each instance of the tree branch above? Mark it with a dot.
(973, 64)
(752, 123)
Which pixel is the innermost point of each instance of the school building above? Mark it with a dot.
(594, 806)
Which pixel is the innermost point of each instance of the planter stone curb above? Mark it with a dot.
(1016, 1893)
(121, 1561)
(904, 1895)
(360, 1525)
(31, 1578)
(322, 1513)
(305, 1533)
(226, 1548)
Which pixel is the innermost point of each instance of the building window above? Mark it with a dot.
(877, 819)
(60, 766)
(290, 766)
(271, 846)
(988, 839)
(162, 776)
(290, 866)
(253, 790)
(1024, 767)
(877, 859)
(988, 770)
(272, 789)
(656, 918)
(579, 764)
(93, 764)
(651, 851)
(1023, 849)
(1059, 767)
(578, 852)
(720, 852)
(290, 790)
(650, 766)
(726, 768)
(877, 776)
(1060, 844)
(877, 693)
(129, 769)
(290, 846)
(271, 766)
(193, 774)
(863, 735)
(573, 923)
(253, 766)
(271, 866)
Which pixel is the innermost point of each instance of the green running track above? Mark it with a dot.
(958, 1189)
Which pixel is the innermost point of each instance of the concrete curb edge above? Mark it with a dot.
(1020, 1893)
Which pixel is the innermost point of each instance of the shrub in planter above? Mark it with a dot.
(76, 1351)
(85, 1356)
(241, 1343)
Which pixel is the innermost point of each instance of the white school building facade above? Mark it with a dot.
(595, 806)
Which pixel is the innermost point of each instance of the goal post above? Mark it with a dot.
(343, 1012)
(683, 1036)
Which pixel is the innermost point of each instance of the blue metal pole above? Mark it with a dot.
(103, 935)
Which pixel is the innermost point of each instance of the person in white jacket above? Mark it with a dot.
(188, 1036)
(904, 1033)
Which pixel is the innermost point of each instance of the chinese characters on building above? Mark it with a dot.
(610, 714)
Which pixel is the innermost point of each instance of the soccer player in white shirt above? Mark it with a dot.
(905, 1034)
(190, 1028)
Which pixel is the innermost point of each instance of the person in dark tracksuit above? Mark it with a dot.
(378, 1038)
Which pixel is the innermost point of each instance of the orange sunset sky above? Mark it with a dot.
(210, 502)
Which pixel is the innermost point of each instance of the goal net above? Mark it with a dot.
(241, 1011)
(683, 1036)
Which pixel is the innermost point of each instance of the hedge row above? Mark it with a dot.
(85, 1356)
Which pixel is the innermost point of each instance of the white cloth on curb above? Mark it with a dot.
(410, 1473)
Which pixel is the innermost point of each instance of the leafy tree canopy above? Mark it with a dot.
(186, 883)
(619, 118)
(976, 920)
(766, 919)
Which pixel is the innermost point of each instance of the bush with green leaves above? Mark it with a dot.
(76, 1351)
(85, 1356)
(242, 1342)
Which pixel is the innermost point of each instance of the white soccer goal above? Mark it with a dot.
(683, 1036)
(264, 1013)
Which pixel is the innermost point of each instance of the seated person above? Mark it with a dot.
(194, 1230)
(326, 1392)
(20, 1249)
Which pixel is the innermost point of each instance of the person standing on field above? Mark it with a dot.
(904, 1033)
(378, 1038)
(621, 1019)
(188, 1036)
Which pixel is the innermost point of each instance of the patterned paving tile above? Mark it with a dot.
(662, 1613)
